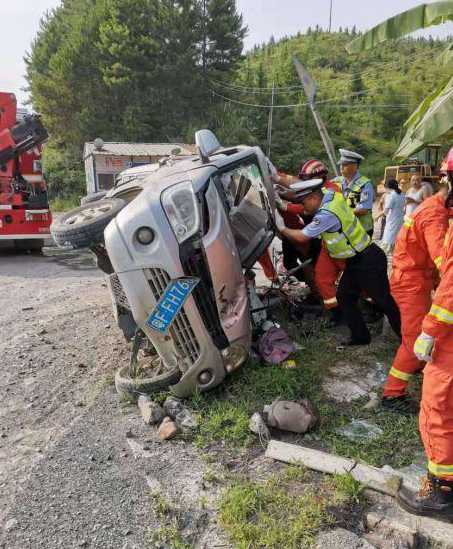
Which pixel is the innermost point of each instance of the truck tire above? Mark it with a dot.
(129, 387)
(83, 227)
(92, 197)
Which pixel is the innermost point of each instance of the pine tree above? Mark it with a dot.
(225, 35)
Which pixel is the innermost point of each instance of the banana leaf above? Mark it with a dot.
(432, 121)
(420, 17)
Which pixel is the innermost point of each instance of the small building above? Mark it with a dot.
(103, 161)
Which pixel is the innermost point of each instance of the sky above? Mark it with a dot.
(264, 18)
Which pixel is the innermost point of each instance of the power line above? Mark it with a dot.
(368, 91)
(249, 88)
(298, 105)
(346, 79)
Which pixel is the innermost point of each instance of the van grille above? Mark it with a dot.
(195, 266)
(118, 292)
(180, 331)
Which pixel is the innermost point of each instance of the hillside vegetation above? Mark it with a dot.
(157, 70)
(363, 99)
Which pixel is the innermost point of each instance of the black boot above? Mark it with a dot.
(400, 404)
(434, 499)
(355, 342)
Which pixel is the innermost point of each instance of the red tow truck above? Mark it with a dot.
(25, 217)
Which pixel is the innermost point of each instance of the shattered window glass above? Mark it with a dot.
(247, 198)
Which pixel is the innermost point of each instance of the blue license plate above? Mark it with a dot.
(171, 302)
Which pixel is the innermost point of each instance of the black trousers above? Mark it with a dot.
(367, 272)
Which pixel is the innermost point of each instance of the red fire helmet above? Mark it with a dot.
(312, 169)
(447, 163)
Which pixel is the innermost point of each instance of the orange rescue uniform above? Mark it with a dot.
(436, 414)
(416, 260)
(327, 269)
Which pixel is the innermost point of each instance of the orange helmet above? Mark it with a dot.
(312, 170)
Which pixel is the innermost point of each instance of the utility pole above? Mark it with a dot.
(204, 44)
(270, 122)
(330, 17)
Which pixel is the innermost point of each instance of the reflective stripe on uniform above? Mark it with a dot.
(443, 315)
(363, 244)
(336, 240)
(408, 221)
(440, 470)
(331, 301)
(438, 261)
(343, 255)
(351, 229)
(399, 374)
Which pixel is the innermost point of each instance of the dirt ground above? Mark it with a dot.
(76, 466)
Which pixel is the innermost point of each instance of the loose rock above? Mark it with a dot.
(167, 429)
(341, 539)
(173, 407)
(186, 421)
(151, 412)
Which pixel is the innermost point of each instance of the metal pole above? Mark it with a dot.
(325, 139)
(330, 17)
(310, 91)
(269, 125)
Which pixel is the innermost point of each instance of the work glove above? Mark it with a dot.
(423, 347)
(279, 222)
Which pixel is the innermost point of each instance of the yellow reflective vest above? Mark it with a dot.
(352, 237)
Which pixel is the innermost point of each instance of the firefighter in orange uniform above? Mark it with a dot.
(416, 261)
(327, 270)
(435, 346)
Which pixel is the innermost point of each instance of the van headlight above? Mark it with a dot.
(181, 206)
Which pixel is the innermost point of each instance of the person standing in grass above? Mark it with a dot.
(394, 206)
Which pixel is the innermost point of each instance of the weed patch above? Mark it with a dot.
(397, 445)
(283, 511)
(225, 412)
(168, 534)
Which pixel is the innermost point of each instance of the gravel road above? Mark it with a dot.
(76, 465)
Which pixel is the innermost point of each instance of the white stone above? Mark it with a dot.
(347, 382)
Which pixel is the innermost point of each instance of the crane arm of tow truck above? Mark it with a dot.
(22, 137)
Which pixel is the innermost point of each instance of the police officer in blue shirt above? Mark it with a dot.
(345, 238)
(357, 189)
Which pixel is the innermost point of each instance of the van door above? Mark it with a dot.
(249, 210)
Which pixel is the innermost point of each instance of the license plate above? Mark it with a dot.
(171, 302)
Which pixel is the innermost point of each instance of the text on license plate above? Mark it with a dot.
(171, 302)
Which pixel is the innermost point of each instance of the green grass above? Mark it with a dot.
(286, 510)
(347, 489)
(397, 446)
(168, 534)
(225, 412)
